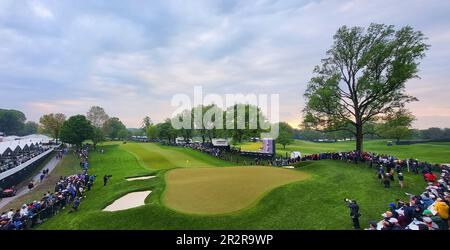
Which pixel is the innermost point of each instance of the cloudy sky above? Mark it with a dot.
(131, 57)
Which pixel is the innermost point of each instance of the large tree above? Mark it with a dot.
(12, 121)
(29, 128)
(285, 135)
(112, 127)
(97, 136)
(397, 126)
(166, 131)
(52, 123)
(363, 78)
(76, 130)
(250, 117)
(146, 122)
(152, 132)
(97, 116)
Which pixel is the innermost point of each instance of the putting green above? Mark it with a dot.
(209, 191)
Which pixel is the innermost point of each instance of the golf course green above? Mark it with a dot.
(223, 190)
(309, 197)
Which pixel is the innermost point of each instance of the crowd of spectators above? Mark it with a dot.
(68, 191)
(426, 211)
(14, 160)
(205, 148)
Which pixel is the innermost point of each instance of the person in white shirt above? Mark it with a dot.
(10, 214)
(24, 211)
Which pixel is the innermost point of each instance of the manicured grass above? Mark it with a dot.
(432, 152)
(313, 203)
(165, 157)
(223, 190)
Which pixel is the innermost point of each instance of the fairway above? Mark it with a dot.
(223, 190)
(156, 156)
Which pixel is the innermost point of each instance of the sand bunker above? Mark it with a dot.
(128, 201)
(140, 178)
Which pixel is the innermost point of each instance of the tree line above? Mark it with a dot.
(96, 126)
(216, 126)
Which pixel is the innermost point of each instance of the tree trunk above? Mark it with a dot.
(359, 138)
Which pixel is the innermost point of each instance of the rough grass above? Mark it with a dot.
(431, 152)
(314, 203)
(222, 190)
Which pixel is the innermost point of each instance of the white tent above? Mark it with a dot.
(22, 142)
(295, 154)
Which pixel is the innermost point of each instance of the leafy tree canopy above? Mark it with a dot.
(363, 78)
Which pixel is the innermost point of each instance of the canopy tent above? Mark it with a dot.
(23, 143)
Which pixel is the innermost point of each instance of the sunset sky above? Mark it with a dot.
(131, 57)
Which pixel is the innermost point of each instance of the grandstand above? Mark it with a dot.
(20, 155)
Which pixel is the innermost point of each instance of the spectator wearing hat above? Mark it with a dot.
(429, 222)
(435, 219)
(392, 209)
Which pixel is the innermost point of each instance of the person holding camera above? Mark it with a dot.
(354, 212)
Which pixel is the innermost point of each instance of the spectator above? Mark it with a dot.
(442, 211)
(106, 179)
(400, 179)
(372, 226)
(354, 212)
(429, 222)
(387, 181)
(435, 219)
(76, 204)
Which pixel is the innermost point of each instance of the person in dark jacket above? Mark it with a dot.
(354, 212)
(400, 179)
(76, 204)
(387, 181)
(106, 179)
